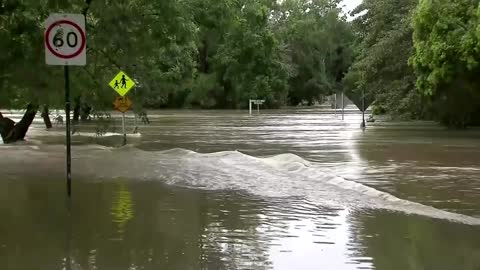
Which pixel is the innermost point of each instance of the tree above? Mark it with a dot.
(446, 58)
(239, 57)
(214, 20)
(198, 53)
(383, 47)
(130, 33)
(24, 79)
(317, 40)
(249, 62)
(11, 131)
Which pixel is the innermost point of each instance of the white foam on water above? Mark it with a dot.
(61, 133)
(285, 175)
(108, 134)
(289, 175)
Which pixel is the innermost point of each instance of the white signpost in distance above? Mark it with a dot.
(65, 45)
(257, 102)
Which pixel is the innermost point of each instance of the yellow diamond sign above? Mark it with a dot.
(122, 83)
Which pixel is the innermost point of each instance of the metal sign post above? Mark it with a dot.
(123, 104)
(65, 45)
(68, 132)
(124, 132)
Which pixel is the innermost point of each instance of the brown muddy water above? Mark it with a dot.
(287, 189)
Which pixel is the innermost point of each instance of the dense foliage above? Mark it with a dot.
(418, 59)
(197, 53)
(410, 59)
(317, 44)
(447, 58)
(383, 47)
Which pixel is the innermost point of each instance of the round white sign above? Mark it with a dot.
(65, 40)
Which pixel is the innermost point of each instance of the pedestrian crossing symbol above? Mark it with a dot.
(122, 83)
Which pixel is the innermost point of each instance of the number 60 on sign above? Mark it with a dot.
(65, 40)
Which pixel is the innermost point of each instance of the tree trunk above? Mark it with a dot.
(12, 132)
(85, 112)
(203, 57)
(6, 126)
(46, 117)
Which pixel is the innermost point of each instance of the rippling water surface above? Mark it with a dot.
(290, 189)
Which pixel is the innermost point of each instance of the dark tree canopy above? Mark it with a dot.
(411, 59)
(205, 54)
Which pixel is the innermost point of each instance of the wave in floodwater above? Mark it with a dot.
(285, 175)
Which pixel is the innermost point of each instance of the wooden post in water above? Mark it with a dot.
(124, 132)
(343, 106)
(335, 103)
(135, 129)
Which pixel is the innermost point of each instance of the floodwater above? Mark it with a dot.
(291, 189)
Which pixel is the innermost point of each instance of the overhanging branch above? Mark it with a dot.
(86, 8)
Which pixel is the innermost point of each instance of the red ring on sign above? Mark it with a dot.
(82, 37)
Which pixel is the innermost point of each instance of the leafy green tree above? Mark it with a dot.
(318, 40)
(446, 58)
(383, 47)
(134, 36)
(239, 57)
(205, 54)
(214, 20)
(249, 62)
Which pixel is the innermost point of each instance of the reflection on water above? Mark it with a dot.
(399, 243)
(177, 228)
(122, 207)
(235, 211)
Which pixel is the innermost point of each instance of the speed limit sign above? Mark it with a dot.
(65, 40)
